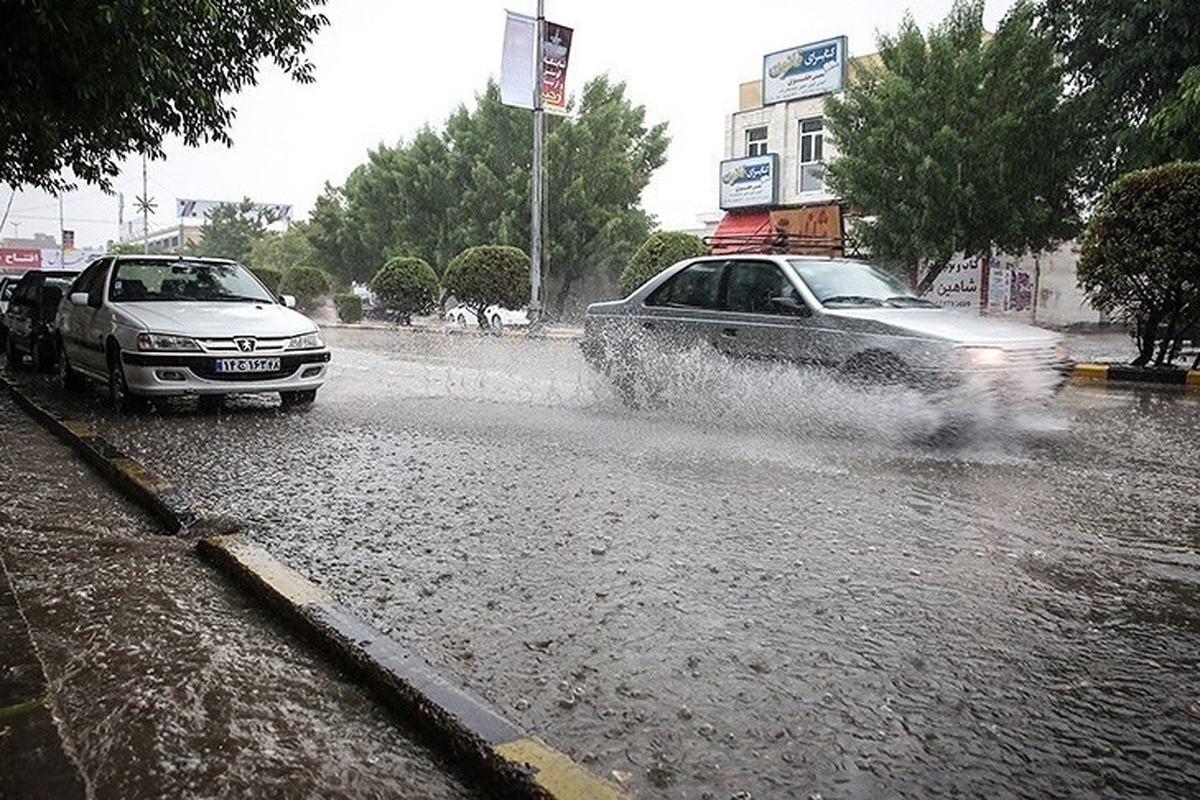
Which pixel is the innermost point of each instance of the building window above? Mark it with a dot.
(812, 155)
(756, 141)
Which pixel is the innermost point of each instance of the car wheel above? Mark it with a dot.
(497, 324)
(878, 368)
(123, 401)
(298, 399)
(210, 403)
(42, 355)
(16, 360)
(68, 377)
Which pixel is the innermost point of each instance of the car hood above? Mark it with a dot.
(214, 320)
(951, 326)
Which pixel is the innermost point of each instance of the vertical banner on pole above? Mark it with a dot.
(519, 60)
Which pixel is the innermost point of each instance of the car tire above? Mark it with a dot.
(67, 376)
(123, 401)
(16, 361)
(298, 399)
(212, 403)
(879, 368)
(497, 324)
(42, 355)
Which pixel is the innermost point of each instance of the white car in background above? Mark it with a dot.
(163, 326)
(495, 317)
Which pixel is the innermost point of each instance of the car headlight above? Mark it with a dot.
(981, 357)
(166, 341)
(306, 341)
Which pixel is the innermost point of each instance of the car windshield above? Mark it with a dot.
(848, 284)
(140, 281)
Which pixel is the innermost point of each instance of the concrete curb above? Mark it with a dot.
(553, 334)
(1126, 374)
(494, 748)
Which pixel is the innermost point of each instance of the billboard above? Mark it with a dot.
(519, 59)
(277, 212)
(750, 182)
(805, 71)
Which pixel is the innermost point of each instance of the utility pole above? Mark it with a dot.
(536, 190)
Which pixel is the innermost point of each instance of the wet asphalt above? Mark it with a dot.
(763, 588)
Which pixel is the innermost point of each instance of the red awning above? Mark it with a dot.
(743, 232)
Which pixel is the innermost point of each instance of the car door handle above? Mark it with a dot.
(729, 333)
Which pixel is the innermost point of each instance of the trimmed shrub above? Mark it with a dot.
(349, 307)
(406, 285)
(307, 284)
(659, 251)
(271, 277)
(1140, 257)
(489, 275)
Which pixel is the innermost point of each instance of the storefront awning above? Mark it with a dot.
(742, 232)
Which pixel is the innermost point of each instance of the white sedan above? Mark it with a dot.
(162, 326)
(496, 317)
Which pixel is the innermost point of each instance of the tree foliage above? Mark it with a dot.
(469, 185)
(306, 284)
(659, 251)
(231, 231)
(1128, 68)
(406, 285)
(1140, 259)
(488, 275)
(83, 85)
(956, 142)
(281, 251)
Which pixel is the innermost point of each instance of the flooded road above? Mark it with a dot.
(165, 679)
(765, 586)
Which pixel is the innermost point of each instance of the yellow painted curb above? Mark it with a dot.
(284, 580)
(137, 473)
(1098, 372)
(555, 772)
(1193, 378)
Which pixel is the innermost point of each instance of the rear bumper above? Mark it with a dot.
(168, 374)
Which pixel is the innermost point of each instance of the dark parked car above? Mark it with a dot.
(29, 318)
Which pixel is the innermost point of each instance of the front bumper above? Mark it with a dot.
(168, 374)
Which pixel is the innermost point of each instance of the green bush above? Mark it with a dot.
(407, 286)
(659, 251)
(271, 277)
(1140, 256)
(349, 307)
(489, 275)
(307, 284)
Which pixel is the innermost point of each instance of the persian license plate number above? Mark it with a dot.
(247, 365)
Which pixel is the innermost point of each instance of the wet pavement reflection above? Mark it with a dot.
(166, 680)
(767, 584)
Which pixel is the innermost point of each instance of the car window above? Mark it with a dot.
(851, 282)
(183, 280)
(751, 286)
(27, 289)
(91, 279)
(697, 286)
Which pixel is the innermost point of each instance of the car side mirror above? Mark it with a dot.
(78, 298)
(288, 300)
(790, 306)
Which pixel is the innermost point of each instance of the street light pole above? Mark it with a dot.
(539, 134)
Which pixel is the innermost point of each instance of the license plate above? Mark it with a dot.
(247, 365)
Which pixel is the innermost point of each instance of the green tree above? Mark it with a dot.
(1140, 259)
(487, 275)
(280, 251)
(659, 251)
(337, 247)
(231, 231)
(1127, 67)
(439, 194)
(83, 85)
(406, 285)
(956, 142)
(307, 284)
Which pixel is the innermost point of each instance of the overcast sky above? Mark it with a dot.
(385, 68)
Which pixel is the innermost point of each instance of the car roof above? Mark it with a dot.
(169, 257)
